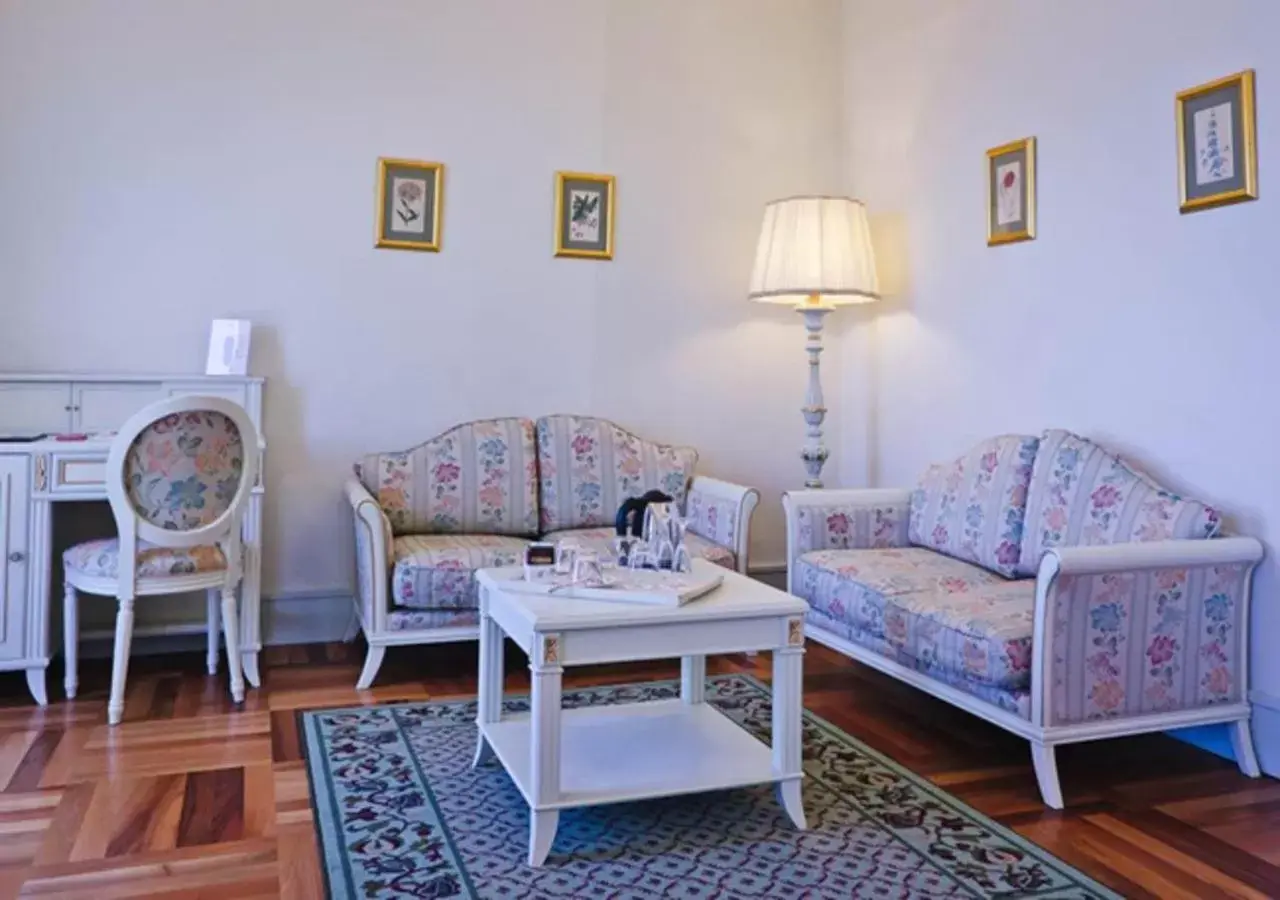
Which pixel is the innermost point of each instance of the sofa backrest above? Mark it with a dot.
(481, 477)
(588, 466)
(972, 508)
(1082, 495)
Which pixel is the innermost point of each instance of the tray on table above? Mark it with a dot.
(651, 586)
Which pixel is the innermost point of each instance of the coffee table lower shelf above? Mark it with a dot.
(612, 754)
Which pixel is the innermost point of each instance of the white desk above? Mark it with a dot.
(36, 475)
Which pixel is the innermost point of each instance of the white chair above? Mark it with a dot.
(178, 476)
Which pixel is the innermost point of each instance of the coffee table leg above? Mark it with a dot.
(544, 745)
(489, 691)
(788, 705)
(693, 679)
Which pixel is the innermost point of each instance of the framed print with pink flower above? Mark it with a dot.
(410, 194)
(1011, 192)
(585, 209)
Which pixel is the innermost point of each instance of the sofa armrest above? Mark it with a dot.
(720, 511)
(1141, 629)
(373, 555)
(844, 519)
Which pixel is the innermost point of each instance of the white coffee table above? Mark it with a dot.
(560, 759)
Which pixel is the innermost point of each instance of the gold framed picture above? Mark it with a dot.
(1011, 192)
(1217, 143)
(410, 195)
(586, 206)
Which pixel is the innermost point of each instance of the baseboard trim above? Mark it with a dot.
(1266, 734)
(296, 617)
(1265, 700)
(306, 617)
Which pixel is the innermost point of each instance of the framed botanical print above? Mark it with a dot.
(1011, 192)
(410, 194)
(585, 210)
(1217, 143)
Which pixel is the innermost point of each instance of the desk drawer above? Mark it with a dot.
(74, 474)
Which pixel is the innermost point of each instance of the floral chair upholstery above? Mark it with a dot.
(182, 471)
(588, 466)
(101, 558)
(480, 477)
(475, 496)
(1043, 583)
(437, 571)
(1081, 495)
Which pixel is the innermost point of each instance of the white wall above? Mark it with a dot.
(1125, 321)
(164, 163)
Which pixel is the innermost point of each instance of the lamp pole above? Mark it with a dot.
(814, 410)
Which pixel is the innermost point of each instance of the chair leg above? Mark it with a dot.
(120, 660)
(70, 639)
(212, 627)
(231, 630)
(372, 662)
(1046, 766)
(1242, 744)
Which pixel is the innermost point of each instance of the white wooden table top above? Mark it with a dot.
(739, 597)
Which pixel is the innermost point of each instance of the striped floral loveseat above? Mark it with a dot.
(1042, 583)
(475, 496)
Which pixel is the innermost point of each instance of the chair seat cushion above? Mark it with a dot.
(601, 541)
(403, 619)
(437, 571)
(101, 559)
(947, 614)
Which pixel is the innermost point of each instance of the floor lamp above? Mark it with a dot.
(814, 254)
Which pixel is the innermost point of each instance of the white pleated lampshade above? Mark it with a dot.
(815, 247)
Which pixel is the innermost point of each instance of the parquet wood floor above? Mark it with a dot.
(190, 797)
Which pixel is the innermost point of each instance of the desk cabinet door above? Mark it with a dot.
(104, 406)
(13, 555)
(30, 407)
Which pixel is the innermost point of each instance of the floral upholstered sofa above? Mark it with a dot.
(475, 496)
(1042, 583)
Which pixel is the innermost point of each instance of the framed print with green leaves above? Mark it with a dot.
(1217, 143)
(585, 210)
(410, 194)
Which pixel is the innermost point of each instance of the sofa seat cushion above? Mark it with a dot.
(476, 478)
(587, 467)
(944, 613)
(973, 508)
(403, 618)
(437, 571)
(101, 559)
(601, 541)
(1015, 700)
(1083, 495)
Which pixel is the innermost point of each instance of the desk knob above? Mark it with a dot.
(16, 556)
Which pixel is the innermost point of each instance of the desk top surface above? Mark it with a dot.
(98, 444)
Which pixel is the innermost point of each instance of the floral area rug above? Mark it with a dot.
(401, 813)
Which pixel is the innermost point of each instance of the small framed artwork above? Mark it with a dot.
(1217, 143)
(1011, 192)
(228, 347)
(410, 194)
(585, 210)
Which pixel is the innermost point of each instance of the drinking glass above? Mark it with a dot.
(683, 562)
(566, 553)
(587, 570)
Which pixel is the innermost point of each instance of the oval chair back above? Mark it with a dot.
(179, 474)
